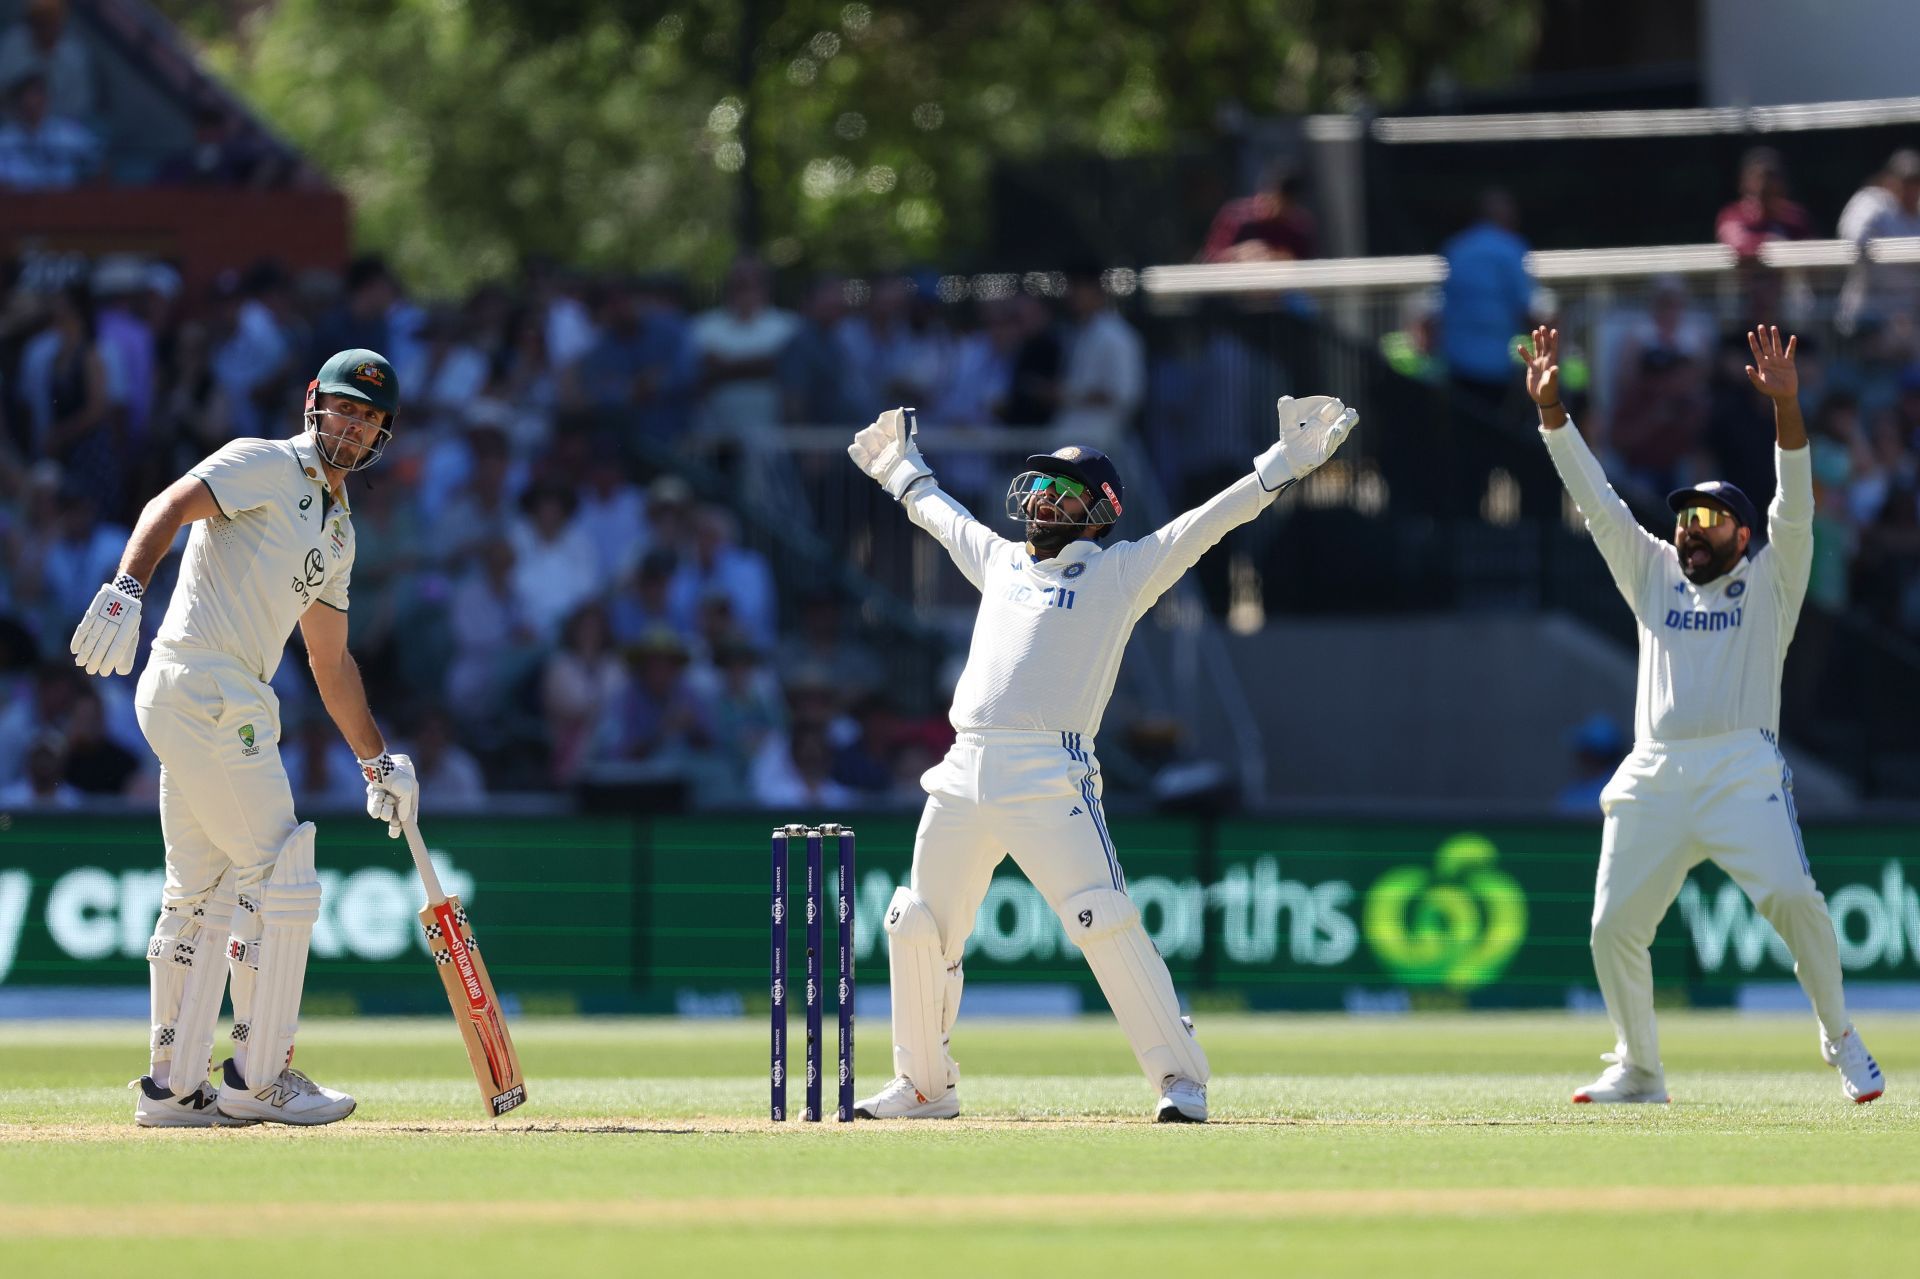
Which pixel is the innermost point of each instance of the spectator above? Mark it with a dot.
(817, 644)
(639, 363)
(1661, 419)
(1485, 303)
(1880, 299)
(80, 552)
(556, 568)
(483, 507)
(1598, 746)
(490, 631)
(1763, 212)
(361, 318)
(321, 768)
(613, 515)
(41, 151)
(813, 368)
(44, 784)
(738, 347)
(72, 410)
(583, 680)
(980, 377)
(1033, 390)
(96, 764)
(749, 716)
(1106, 368)
(458, 784)
(1271, 225)
(255, 360)
(127, 341)
(801, 779)
(895, 353)
(717, 564)
(661, 719)
(640, 605)
(222, 154)
(42, 44)
(1835, 522)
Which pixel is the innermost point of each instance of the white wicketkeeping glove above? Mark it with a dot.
(1310, 430)
(886, 451)
(393, 791)
(108, 637)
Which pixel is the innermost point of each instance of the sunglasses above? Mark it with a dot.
(1703, 517)
(1059, 484)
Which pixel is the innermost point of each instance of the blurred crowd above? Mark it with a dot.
(541, 599)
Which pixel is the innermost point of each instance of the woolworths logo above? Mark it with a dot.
(1878, 926)
(1457, 924)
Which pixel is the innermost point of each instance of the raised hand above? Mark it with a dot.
(1772, 372)
(1542, 358)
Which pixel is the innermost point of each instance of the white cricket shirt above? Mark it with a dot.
(1710, 656)
(279, 545)
(1049, 636)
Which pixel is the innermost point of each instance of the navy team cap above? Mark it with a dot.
(1090, 467)
(1717, 493)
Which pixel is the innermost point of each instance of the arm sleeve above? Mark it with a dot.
(971, 543)
(1632, 554)
(333, 591)
(1790, 526)
(1155, 562)
(243, 474)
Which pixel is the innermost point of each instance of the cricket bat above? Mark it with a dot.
(476, 1009)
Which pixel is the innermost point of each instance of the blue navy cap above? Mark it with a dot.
(1092, 468)
(1720, 493)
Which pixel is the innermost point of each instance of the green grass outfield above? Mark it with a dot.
(1421, 1145)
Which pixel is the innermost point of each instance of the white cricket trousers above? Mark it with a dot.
(1727, 799)
(1034, 796)
(224, 797)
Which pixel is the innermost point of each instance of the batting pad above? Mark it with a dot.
(918, 979)
(1105, 925)
(188, 979)
(289, 904)
(243, 967)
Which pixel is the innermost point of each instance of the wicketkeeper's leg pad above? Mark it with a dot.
(187, 981)
(917, 976)
(1105, 924)
(288, 904)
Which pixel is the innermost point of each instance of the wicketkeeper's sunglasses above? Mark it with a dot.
(1703, 517)
(1059, 484)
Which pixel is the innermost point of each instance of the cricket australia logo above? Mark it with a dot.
(247, 746)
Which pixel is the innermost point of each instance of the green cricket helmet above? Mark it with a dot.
(357, 374)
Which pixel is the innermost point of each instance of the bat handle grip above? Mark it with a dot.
(423, 863)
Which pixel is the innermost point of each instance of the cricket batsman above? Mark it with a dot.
(1022, 777)
(1706, 780)
(272, 544)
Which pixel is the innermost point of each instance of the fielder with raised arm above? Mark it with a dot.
(1706, 780)
(272, 544)
(1022, 777)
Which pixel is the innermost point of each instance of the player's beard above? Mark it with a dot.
(1050, 536)
(1719, 558)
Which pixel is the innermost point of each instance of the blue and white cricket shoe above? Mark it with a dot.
(1860, 1077)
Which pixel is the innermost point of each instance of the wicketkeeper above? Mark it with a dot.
(1022, 777)
(272, 544)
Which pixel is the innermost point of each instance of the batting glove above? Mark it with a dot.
(1310, 430)
(109, 635)
(886, 451)
(393, 791)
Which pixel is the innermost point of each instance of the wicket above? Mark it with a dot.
(815, 837)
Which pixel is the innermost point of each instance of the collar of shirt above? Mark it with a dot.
(1071, 553)
(309, 455)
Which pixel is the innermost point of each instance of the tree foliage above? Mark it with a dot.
(471, 133)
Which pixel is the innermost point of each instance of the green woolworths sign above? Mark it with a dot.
(631, 914)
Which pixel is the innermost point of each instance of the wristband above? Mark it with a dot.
(128, 584)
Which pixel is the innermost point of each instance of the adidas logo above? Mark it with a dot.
(1773, 799)
(1075, 812)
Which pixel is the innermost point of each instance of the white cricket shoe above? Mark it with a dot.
(901, 1100)
(292, 1098)
(157, 1107)
(1621, 1084)
(1860, 1077)
(1182, 1102)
